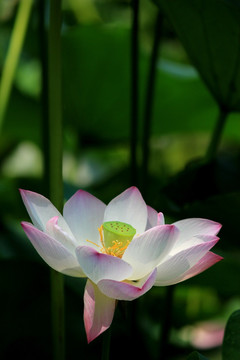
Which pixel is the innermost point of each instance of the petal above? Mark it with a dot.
(84, 214)
(161, 220)
(195, 240)
(98, 266)
(53, 252)
(127, 290)
(146, 251)
(195, 226)
(128, 207)
(98, 311)
(203, 264)
(40, 209)
(154, 218)
(54, 230)
(171, 271)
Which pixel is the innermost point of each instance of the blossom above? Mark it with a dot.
(123, 248)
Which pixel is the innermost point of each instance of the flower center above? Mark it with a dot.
(115, 237)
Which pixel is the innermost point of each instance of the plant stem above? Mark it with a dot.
(134, 89)
(166, 324)
(14, 50)
(44, 94)
(55, 105)
(147, 121)
(57, 310)
(53, 165)
(216, 135)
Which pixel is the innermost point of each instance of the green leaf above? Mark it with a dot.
(196, 356)
(231, 341)
(209, 30)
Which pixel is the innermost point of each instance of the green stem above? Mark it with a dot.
(44, 94)
(216, 136)
(53, 167)
(134, 89)
(147, 121)
(14, 50)
(57, 310)
(55, 105)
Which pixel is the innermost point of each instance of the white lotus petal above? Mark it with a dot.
(152, 218)
(40, 210)
(84, 215)
(98, 311)
(128, 207)
(195, 240)
(190, 228)
(55, 254)
(161, 220)
(98, 266)
(127, 290)
(170, 271)
(209, 259)
(146, 251)
(54, 230)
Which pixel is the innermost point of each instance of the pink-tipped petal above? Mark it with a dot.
(84, 215)
(39, 208)
(170, 272)
(193, 241)
(152, 218)
(54, 230)
(98, 311)
(98, 266)
(128, 207)
(196, 226)
(161, 220)
(127, 290)
(203, 264)
(53, 252)
(146, 251)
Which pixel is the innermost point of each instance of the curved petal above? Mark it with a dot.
(54, 230)
(146, 251)
(127, 290)
(84, 215)
(98, 266)
(170, 271)
(154, 218)
(128, 207)
(53, 252)
(98, 311)
(195, 240)
(203, 264)
(161, 220)
(40, 210)
(195, 226)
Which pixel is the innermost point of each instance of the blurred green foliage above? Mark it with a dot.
(96, 113)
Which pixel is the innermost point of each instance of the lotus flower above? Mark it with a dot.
(123, 248)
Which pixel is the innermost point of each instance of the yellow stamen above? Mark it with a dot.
(117, 249)
(93, 243)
